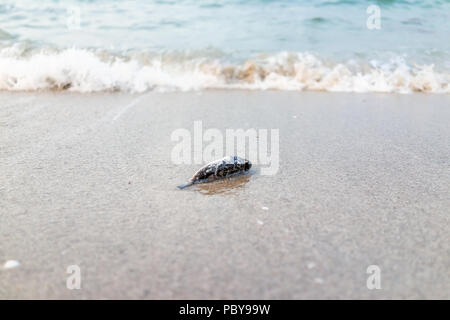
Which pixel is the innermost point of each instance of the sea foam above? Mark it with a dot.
(84, 70)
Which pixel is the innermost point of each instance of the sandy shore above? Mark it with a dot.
(88, 180)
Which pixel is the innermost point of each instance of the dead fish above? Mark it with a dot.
(219, 169)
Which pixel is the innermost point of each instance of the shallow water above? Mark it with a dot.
(186, 45)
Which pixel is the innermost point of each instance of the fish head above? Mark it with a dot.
(247, 165)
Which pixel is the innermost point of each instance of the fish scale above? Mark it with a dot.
(219, 169)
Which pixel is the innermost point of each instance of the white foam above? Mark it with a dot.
(82, 70)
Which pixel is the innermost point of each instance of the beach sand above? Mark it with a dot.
(87, 180)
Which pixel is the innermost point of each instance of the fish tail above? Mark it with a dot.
(182, 186)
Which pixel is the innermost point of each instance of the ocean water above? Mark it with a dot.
(137, 46)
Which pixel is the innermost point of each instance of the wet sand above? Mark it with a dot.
(87, 180)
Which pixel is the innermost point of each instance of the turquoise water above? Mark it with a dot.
(206, 39)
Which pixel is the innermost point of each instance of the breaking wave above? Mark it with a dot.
(84, 70)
